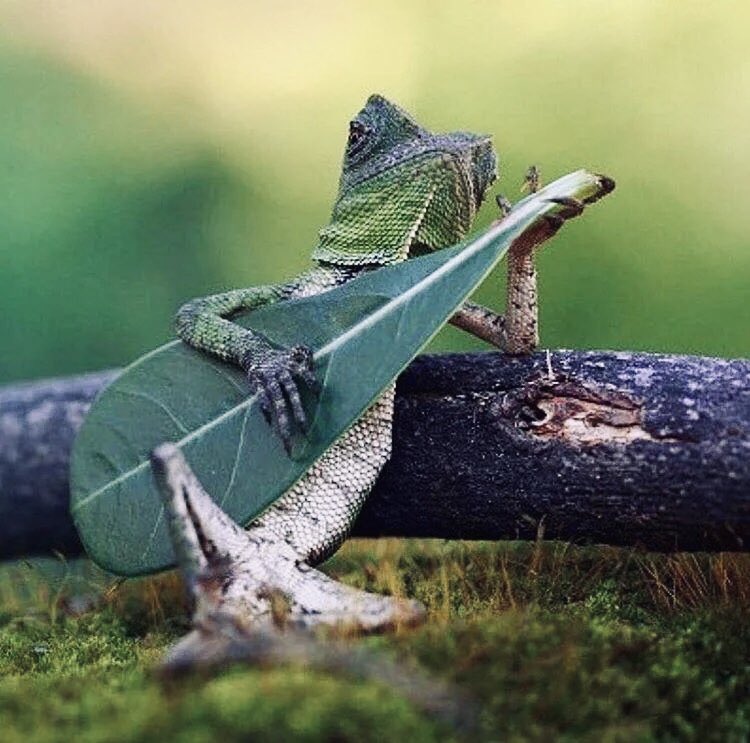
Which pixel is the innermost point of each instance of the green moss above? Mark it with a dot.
(552, 641)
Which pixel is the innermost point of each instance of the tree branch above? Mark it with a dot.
(616, 448)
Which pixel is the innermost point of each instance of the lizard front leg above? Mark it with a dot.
(314, 517)
(517, 330)
(205, 324)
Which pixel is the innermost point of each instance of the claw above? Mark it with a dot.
(295, 402)
(265, 403)
(302, 357)
(255, 601)
(574, 207)
(606, 184)
(504, 205)
(273, 380)
(280, 413)
(309, 378)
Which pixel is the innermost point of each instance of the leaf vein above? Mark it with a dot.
(159, 404)
(235, 467)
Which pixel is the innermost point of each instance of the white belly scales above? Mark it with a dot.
(315, 516)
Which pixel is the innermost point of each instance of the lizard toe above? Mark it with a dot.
(573, 207)
(295, 401)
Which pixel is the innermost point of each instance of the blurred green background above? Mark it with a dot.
(153, 152)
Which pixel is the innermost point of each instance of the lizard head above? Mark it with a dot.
(404, 190)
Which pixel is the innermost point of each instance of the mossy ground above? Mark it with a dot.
(552, 641)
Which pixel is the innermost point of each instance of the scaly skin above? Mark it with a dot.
(403, 191)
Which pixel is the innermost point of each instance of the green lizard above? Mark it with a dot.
(403, 191)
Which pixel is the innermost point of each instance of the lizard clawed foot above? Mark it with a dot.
(573, 207)
(274, 379)
(521, 327)
(239, 574)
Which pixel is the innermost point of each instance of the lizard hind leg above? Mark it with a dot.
(243, 576)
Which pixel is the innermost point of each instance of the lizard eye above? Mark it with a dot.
(357, 134)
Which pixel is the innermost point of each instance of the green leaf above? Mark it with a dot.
(364, 333)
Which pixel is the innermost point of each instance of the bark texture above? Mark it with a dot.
(616, 448)
(38, 422)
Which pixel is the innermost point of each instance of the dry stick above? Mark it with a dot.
(231, 623)
(616, 448)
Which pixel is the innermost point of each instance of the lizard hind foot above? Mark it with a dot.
(253, 577)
